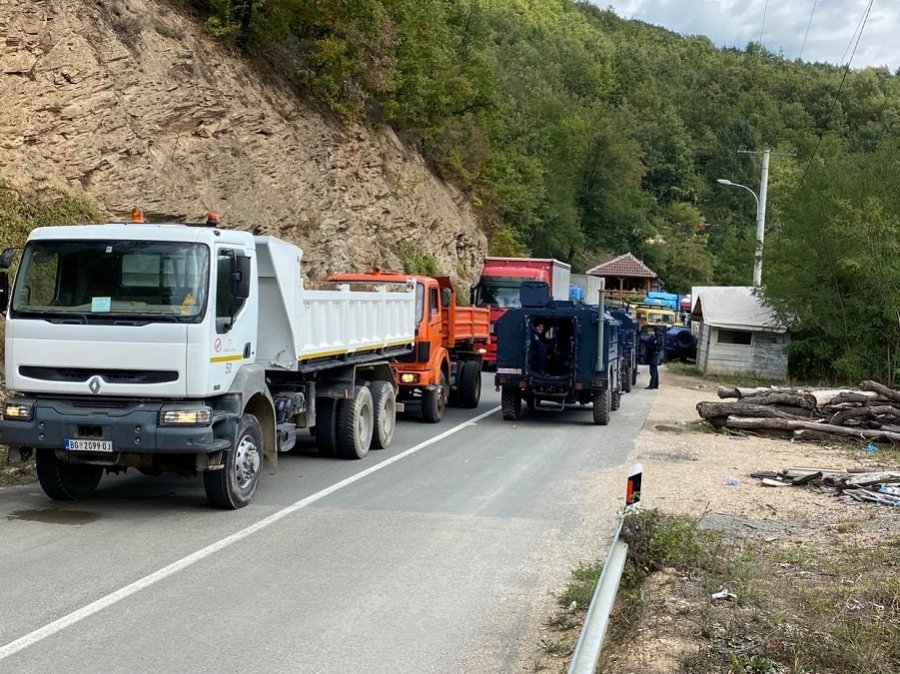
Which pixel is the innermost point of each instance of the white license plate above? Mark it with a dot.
(89, 445)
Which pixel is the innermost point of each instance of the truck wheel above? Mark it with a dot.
(355, 424)
(615, 400)
(435, 401)
(232, 486)
(510, 403)
(384, 403)
(601, 407)
(63, 481)
(470, 384)
(634, 374)
(626, 381)
(325, 431)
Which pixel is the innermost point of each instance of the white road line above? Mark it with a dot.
(50, 629)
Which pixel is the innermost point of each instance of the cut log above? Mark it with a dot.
(829, 396)
(864, 411)
(805, 435)
(800, 424)
(880, 389)
(738, 392)
(777, 397)
(714, 410)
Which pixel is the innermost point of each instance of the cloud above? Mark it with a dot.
(734, 23)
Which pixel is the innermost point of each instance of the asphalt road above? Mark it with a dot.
(440, 554)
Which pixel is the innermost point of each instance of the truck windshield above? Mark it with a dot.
(99, 280)
(499, 292)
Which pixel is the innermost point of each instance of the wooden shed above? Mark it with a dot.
(737, 333)
(626, 274)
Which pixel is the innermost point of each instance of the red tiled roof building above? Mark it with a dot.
(627, 274)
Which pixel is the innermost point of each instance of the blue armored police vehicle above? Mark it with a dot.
(554, 353)
(628, 347)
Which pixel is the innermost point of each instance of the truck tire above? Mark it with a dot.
(615, 400)
(626, 382)
(470, 384)
(510, 403)
(232, 486)
(602, 406)
(355, 424)
(384, 403)
(634, 374)
(434, 401)
(63, 481)
(325, 430)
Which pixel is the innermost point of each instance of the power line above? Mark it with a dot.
(803, 44)
(860, 27)
(763, 26)
(858, 30)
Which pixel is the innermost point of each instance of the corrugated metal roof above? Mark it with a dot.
(733, 308)
(624, 265)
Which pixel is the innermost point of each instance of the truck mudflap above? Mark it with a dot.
(93, 429)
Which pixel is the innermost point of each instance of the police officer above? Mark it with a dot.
(539, 348)
(652, 346)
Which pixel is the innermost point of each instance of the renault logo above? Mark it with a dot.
(94, 385)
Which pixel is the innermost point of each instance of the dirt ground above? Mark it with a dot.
(704, 474)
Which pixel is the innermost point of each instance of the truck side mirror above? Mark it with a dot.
(445, 296)
(240, 277)
(6, 258)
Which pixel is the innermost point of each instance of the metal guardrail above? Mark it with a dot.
(590, 641)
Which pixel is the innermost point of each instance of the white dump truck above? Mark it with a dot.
(188, 348)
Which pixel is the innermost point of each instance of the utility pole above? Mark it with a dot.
(761, 219)
(760, 212)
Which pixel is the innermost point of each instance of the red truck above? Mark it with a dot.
(498, 288)
(445, 364)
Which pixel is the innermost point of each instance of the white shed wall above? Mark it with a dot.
(765, 356)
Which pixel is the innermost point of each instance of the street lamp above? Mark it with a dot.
(760, 214)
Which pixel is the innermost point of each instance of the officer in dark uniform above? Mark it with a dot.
(652, 348)
(538, 349)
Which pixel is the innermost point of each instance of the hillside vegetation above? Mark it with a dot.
(580, 134)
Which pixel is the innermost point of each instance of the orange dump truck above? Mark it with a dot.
(445, 364)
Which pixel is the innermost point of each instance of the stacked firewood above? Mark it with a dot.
(869, 413)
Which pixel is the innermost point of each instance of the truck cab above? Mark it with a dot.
(444, 366)
(501, 281)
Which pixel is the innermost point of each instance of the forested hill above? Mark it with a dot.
(579, 133)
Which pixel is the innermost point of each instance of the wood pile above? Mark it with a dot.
(853, 485)
(869, 413)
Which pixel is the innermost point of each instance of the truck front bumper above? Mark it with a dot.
(129, 426)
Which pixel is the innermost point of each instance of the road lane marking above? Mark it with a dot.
(50, 629)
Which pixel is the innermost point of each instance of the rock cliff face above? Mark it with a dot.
(128, 103)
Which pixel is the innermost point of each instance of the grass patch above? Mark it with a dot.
(744, 380)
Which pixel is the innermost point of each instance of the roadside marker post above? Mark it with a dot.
(590, 642)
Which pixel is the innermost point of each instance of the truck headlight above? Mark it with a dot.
(193, 416)
(409, 378)
(18, 411)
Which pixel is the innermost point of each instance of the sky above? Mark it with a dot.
(734, 23)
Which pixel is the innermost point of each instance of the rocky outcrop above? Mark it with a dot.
(127, 102)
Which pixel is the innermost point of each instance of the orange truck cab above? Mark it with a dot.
(444, 367)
